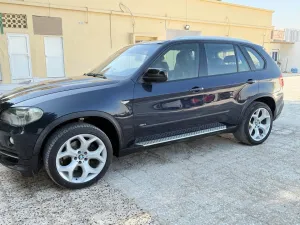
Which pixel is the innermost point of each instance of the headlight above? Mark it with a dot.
(21, 116)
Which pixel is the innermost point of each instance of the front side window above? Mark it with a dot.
(125, 62)
(257, 60)
(180, 61)
(221, 59)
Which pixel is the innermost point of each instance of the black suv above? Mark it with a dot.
(144, 95)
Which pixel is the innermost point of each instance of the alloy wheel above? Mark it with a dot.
(260, 124)
(81, 158)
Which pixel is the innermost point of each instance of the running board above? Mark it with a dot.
(181, 134)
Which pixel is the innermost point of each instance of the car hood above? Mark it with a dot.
(50, 87)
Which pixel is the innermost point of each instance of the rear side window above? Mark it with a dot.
(221, 59)
(257, 60)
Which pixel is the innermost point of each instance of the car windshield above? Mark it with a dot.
(125, 62)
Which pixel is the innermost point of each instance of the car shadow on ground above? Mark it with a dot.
(139, 159)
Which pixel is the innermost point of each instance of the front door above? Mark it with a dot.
(54, 57)
(19, 56)
(171, 105)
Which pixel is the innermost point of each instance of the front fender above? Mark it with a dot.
(45, 133)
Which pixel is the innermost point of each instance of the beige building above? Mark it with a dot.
(285, 49)
(58, 38)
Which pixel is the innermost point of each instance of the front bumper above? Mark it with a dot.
(18, 156)
(27, 168)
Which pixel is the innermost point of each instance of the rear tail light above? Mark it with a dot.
(281, 81)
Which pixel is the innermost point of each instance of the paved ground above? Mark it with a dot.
(207, 181)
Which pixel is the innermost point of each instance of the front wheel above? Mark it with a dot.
(256, 125)
(77, 155)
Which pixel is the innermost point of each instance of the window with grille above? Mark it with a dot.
(10, 20)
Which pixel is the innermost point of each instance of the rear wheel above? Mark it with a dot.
(77, 155)
(256, 125)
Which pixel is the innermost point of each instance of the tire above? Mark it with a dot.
(243, 132)
(81, 148)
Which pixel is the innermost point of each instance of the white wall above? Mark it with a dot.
(290, 56)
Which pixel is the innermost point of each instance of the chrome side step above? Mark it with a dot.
(8, 154)
(188, 134)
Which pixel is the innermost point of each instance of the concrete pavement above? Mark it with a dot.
(213, 180)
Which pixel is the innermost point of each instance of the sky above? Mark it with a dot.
(287, 12)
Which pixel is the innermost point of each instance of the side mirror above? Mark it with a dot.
(155, 76)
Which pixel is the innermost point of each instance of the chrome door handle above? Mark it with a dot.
(197, 89)
(251, 81)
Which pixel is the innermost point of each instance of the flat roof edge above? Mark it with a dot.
(238, 5)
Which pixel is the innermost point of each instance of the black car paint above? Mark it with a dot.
(135, 108)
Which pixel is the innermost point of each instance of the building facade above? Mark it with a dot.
(64, 38)
(285, 49)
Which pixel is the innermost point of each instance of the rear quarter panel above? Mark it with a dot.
(268, 81)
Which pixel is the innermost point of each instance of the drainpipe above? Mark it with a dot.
(1, 25)
(49, 8)
(110, 29)
(229, 27)
(132, 17)
(87, 15)
(264, 36)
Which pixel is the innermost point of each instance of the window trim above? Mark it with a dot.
(163, 52)
(249, 59)
(236, 59)
(203, 61)
(237, 47)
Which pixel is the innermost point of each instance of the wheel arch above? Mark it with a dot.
(264, 98)
(76, 117)
(268, 101)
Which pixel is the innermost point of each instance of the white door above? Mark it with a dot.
(54, 52)
(19, 56)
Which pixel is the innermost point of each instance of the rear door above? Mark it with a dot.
(228, 82)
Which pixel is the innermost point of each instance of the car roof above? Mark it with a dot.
(200, 38)
(211, 38)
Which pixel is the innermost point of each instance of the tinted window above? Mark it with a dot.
(242, 62)
(257, 60)
(220, 59)
(181, 61)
